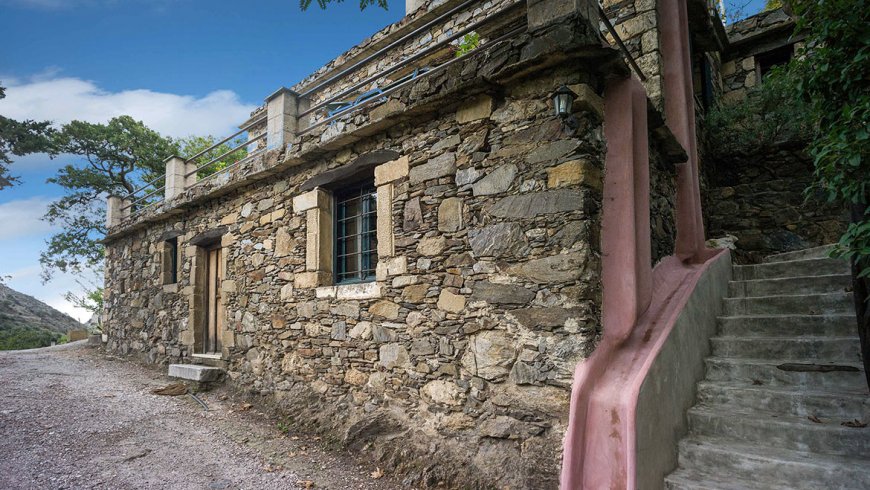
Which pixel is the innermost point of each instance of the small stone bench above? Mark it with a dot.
(195, 372)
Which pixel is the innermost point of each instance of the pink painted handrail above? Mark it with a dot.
(639, 308)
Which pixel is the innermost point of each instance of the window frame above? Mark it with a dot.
(366, 258)
(170, 270)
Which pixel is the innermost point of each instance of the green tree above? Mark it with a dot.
(304, 4)
(115, 158)
(832, 73)
(192, 145)
(20, 138)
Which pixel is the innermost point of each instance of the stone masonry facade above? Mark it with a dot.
(453, 364)
(486, 296)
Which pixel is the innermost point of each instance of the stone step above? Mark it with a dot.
(766, 372)
(788, 325)
(828, 349)
(788, 400)
(790, 285)
(773, 467)
(195, 372)
(791, 268)
(839, 303)
(693, 479)
(792, 433)
(809, 253)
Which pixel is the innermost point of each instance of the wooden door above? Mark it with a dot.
(214, 318)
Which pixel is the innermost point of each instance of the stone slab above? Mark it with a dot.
(194, 372)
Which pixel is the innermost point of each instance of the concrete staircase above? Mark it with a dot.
(784, 373)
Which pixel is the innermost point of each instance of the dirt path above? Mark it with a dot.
(73, 418)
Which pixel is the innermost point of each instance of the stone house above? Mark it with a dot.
(426, 263)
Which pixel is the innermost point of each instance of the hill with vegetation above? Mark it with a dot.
(26, 322)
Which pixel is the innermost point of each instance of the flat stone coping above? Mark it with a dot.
(195, 372)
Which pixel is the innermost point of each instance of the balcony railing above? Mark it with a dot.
(342, 91)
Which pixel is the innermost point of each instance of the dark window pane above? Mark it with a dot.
(355, 234)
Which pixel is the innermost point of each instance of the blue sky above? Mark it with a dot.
(182, 66)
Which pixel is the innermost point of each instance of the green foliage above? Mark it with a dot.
(118, 157)
(771, 113)
(14, 337)
(20, 138)
(194, 144)
(833, 74)
(772, 5)
(469, 43)
(304, 4)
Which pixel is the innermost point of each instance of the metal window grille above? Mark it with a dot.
(356, 240)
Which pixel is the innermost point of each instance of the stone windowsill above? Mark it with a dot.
(363, 290)
(170, 288)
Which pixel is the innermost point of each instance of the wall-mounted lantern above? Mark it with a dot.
(563, 101)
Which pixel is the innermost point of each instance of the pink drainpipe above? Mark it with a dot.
(640, 306)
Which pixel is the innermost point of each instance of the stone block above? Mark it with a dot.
(311, 279)
(478, 108)
(394, 355)
(195, 372)
(386, 309)
(552, 151)
(535, 203)
(365, 290)
(442, 392)
(454, 303)
(501, 293)
(490, 355)
(386, 238)
(554, 269)
(450, 215)
(391, 171)
(498, 240)
(432, 245)
(315, 198)
(587, 99)
(574, 172)
(496, 182)
(440, 166)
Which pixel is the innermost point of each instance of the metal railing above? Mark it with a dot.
(238, 133)
(408, 62)
(621, 45)
(135, 204)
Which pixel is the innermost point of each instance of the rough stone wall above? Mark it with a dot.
(636, 22)
(663, 199)
(748, 38)
(760, 200)
(465, 349)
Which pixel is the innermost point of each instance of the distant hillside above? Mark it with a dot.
(26, 322)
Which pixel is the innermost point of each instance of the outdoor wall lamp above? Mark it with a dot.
(563, 101)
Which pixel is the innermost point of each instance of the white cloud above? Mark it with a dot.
(63, 99)
(21, 218)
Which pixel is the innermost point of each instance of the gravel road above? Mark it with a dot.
(72, 417)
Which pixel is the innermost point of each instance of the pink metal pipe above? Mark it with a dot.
(600, 442)
(591, 456)
(680, 116)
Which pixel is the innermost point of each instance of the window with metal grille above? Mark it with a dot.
(356, 240)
